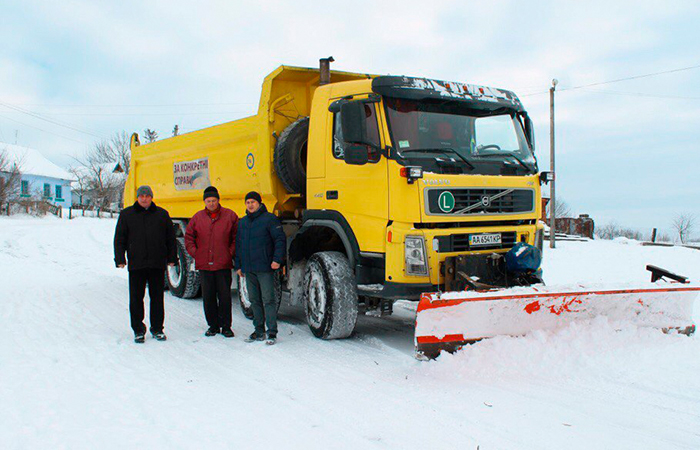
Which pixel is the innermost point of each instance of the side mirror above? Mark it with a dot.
(530, 132)
(356, 155)
(546, 177)
(352, 121)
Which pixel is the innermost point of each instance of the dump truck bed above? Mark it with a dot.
(236, 156)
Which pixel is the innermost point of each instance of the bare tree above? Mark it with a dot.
(95, 175)
(608, 231)
(82, 182)
(612, 230)
(115, 150)
(684, 225)
(10, 177)
(561, 210)
(150, 135)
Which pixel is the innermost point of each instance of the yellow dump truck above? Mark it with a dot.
(387, 186)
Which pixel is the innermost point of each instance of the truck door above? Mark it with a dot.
(359, 192)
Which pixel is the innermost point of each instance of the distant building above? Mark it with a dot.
(99, 182)
(41, 179)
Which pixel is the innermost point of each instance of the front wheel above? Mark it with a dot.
(330, 296)
(244, 298)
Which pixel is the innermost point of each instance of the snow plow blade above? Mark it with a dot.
(447, 321)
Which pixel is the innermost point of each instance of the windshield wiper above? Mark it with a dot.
(441, 150)
(520, 161)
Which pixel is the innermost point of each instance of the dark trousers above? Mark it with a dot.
(261, 291)
(217, 283)
(155, 278)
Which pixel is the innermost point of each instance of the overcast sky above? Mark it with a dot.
(626, 151)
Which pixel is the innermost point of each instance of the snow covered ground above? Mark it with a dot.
(71, 376)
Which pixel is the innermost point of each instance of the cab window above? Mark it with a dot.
(372, 132)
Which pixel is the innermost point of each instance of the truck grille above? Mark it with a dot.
(471, 201)
(460, 243)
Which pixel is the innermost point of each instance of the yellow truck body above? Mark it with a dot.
(287, 94)
(376, 212)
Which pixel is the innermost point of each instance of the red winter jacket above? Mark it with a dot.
(211, 239)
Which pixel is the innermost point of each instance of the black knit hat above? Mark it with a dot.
(254, 196)
(211, 192)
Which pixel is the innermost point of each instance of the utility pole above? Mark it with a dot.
(552, 201)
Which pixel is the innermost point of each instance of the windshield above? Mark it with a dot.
(447, 137)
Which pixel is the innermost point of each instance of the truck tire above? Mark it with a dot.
(330, 296)
(290, 156)
(182, 282)
(244, 299)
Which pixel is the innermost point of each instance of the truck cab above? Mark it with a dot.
(416, 173)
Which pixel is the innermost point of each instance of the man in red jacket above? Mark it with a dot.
(211, 240)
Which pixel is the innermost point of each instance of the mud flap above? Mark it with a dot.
(447, 321)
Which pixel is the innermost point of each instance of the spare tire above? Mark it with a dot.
(290, 156)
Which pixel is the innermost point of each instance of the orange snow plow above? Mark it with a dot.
(449, 320)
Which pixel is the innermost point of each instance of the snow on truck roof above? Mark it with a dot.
(32, 162)
(425, 88)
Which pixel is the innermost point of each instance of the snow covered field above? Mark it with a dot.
(71, 376)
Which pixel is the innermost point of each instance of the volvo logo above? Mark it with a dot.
(435, 182)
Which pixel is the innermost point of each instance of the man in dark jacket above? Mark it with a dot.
(260, 249)
(211, 240)
(145, 232)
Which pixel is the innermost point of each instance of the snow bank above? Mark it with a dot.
(71, 377)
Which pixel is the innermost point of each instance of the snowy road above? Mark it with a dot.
(71, 377)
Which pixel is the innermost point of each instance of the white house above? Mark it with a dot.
(110, 176)
(41, 179)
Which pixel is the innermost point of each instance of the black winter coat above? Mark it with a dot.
(259, 241)
(147, 236)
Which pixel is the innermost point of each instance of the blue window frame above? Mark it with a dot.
(59, 192)
(25, 187)
(47, 190)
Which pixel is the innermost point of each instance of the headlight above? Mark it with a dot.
(416, 260)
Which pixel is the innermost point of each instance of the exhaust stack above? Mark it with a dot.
(325, 67)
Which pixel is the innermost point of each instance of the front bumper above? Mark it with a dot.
(437, 250)
(400, 291)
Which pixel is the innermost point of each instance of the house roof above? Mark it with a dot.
(111, 169)
(32, 162)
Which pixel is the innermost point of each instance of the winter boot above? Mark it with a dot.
(140, 338)
(271, 339)
(159, 335)
(227, 332)
(212, 331)
(255, 337)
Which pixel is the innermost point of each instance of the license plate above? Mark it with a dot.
(476, 240)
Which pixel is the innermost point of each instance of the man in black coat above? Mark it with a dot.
(145, 232)
(260, 249)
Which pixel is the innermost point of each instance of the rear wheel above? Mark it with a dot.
(330, 296)
(182, 281)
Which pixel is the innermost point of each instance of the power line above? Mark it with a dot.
(166, 105)
(583, 86)
(150, 114)
(29, 113)
(640, 94)
(40, 129)
(630, 78)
